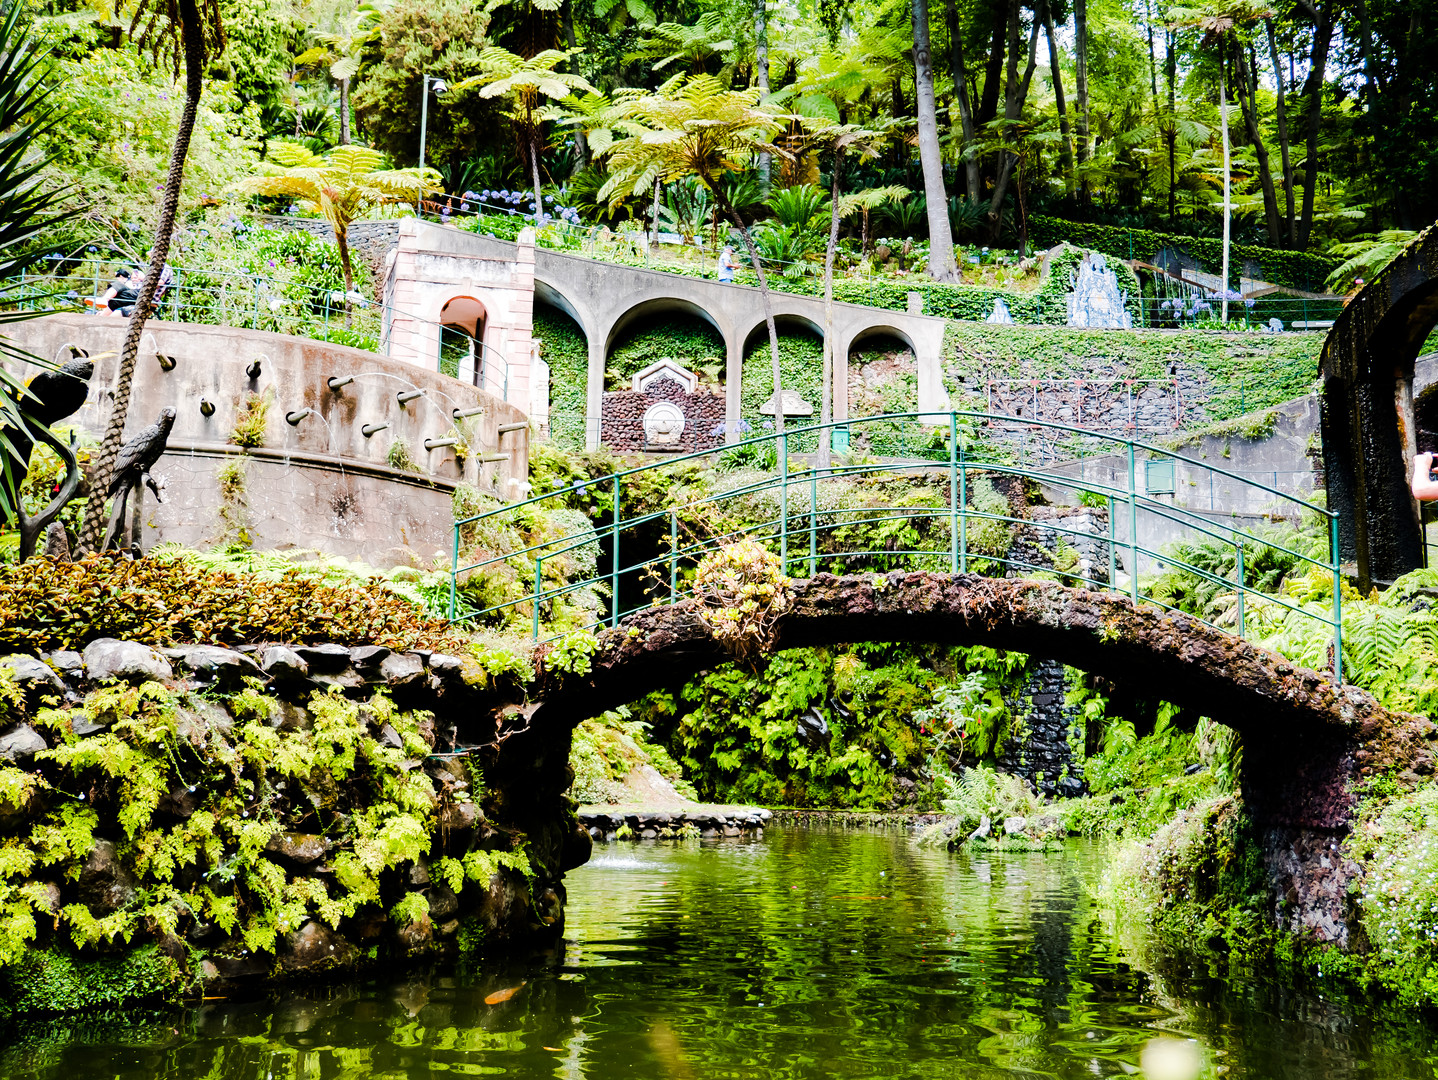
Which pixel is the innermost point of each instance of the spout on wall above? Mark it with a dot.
(464, 414)
(167, 363)
(435, 444)
(253, 368)
(370, 429)
(294, 418)
(334, 382)
(406, 396)
(207, 407)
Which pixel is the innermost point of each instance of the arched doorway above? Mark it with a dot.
(461, 340)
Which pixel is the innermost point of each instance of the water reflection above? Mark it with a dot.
(809, 954)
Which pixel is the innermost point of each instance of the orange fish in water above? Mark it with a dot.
(499, 997)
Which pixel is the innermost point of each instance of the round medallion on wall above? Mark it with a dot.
(663, 424)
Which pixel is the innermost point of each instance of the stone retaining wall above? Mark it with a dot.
(666, 824)
(496, 807)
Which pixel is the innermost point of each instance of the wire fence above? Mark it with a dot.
(1100, 526)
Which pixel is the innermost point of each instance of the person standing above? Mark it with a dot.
(727, 263)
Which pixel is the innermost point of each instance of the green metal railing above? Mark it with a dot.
(278, 302)
(785, 507)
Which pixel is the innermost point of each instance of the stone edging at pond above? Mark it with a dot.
(703, 822)
(247, 816)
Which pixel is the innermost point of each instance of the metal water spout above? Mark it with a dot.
(253, 369)
(435, 444)
(294, 418)
(406, 396)
(334, 382)
(207, 407)
(464, 414)
(370, 429)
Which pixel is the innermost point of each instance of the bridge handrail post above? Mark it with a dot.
(1242, 585)
(454, 574)
(963, 517)
(784, 502)
(1112, 554)
(1132, 525)
(1337, 600)
(614, 567)
(814, 515)
(673, 555)
(953, 492)
(538, 585)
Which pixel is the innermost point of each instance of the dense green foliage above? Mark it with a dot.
(48, 605)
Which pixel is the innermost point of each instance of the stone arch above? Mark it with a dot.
(659, 305)
(1367, 413)
(872, 332)
(464, 317)
(783, 321)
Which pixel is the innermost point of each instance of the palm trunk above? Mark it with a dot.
(1170, 66)
(941, 237)
(959, 71)
(343, 243)
(733, 216)
(1066, 144)
(826, 390)
(192, 35)
(344, 112)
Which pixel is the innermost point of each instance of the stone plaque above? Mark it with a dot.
(794, 405)
(663, 424)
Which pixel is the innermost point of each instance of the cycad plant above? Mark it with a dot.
(26, 210)
(340, 186)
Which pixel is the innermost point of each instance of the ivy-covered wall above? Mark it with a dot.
(563, 348)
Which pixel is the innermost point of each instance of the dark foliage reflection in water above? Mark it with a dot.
(809, 954)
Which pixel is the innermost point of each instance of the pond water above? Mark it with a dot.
(808, 954)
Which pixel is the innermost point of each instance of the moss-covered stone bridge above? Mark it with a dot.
(1309, 744)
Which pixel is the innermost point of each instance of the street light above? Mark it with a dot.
(440, 87)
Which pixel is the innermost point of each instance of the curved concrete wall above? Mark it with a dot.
(321, 484)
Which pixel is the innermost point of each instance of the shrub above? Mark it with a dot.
(49, 605)
(742, 594)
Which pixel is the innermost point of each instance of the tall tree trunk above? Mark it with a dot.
(960, 74)
(1313, 91)
(1227, 215)
(192, 36)
(1066, 145)
(761, 76)
(342, 241)
(826, 390)
(654, 216)
(941, 237)
(1081, 124)
(581, 144)
(1283, 143)
(344, 112)
(994, 69)
(534, 167)
(1248, 101)
(1152, 57)
(1015, 94)
(738, 222)
(1170, 70)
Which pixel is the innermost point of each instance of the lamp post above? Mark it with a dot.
(440, 87)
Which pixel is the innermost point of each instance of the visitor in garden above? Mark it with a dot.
(1425, 488)
(120, 297)
(727, 263)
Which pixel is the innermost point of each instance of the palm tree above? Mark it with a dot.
(193, 33)
(525, 82)
(691, 126)
(340, 185)
(341, 54)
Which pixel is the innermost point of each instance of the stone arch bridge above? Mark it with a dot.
(1309, 744)
(605, 299)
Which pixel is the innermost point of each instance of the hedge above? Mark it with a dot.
(1294, 269)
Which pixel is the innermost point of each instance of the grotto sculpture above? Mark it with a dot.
(133, 463)
(54, 396)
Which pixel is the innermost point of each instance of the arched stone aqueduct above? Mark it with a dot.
(1309, 745)
(435, 265)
